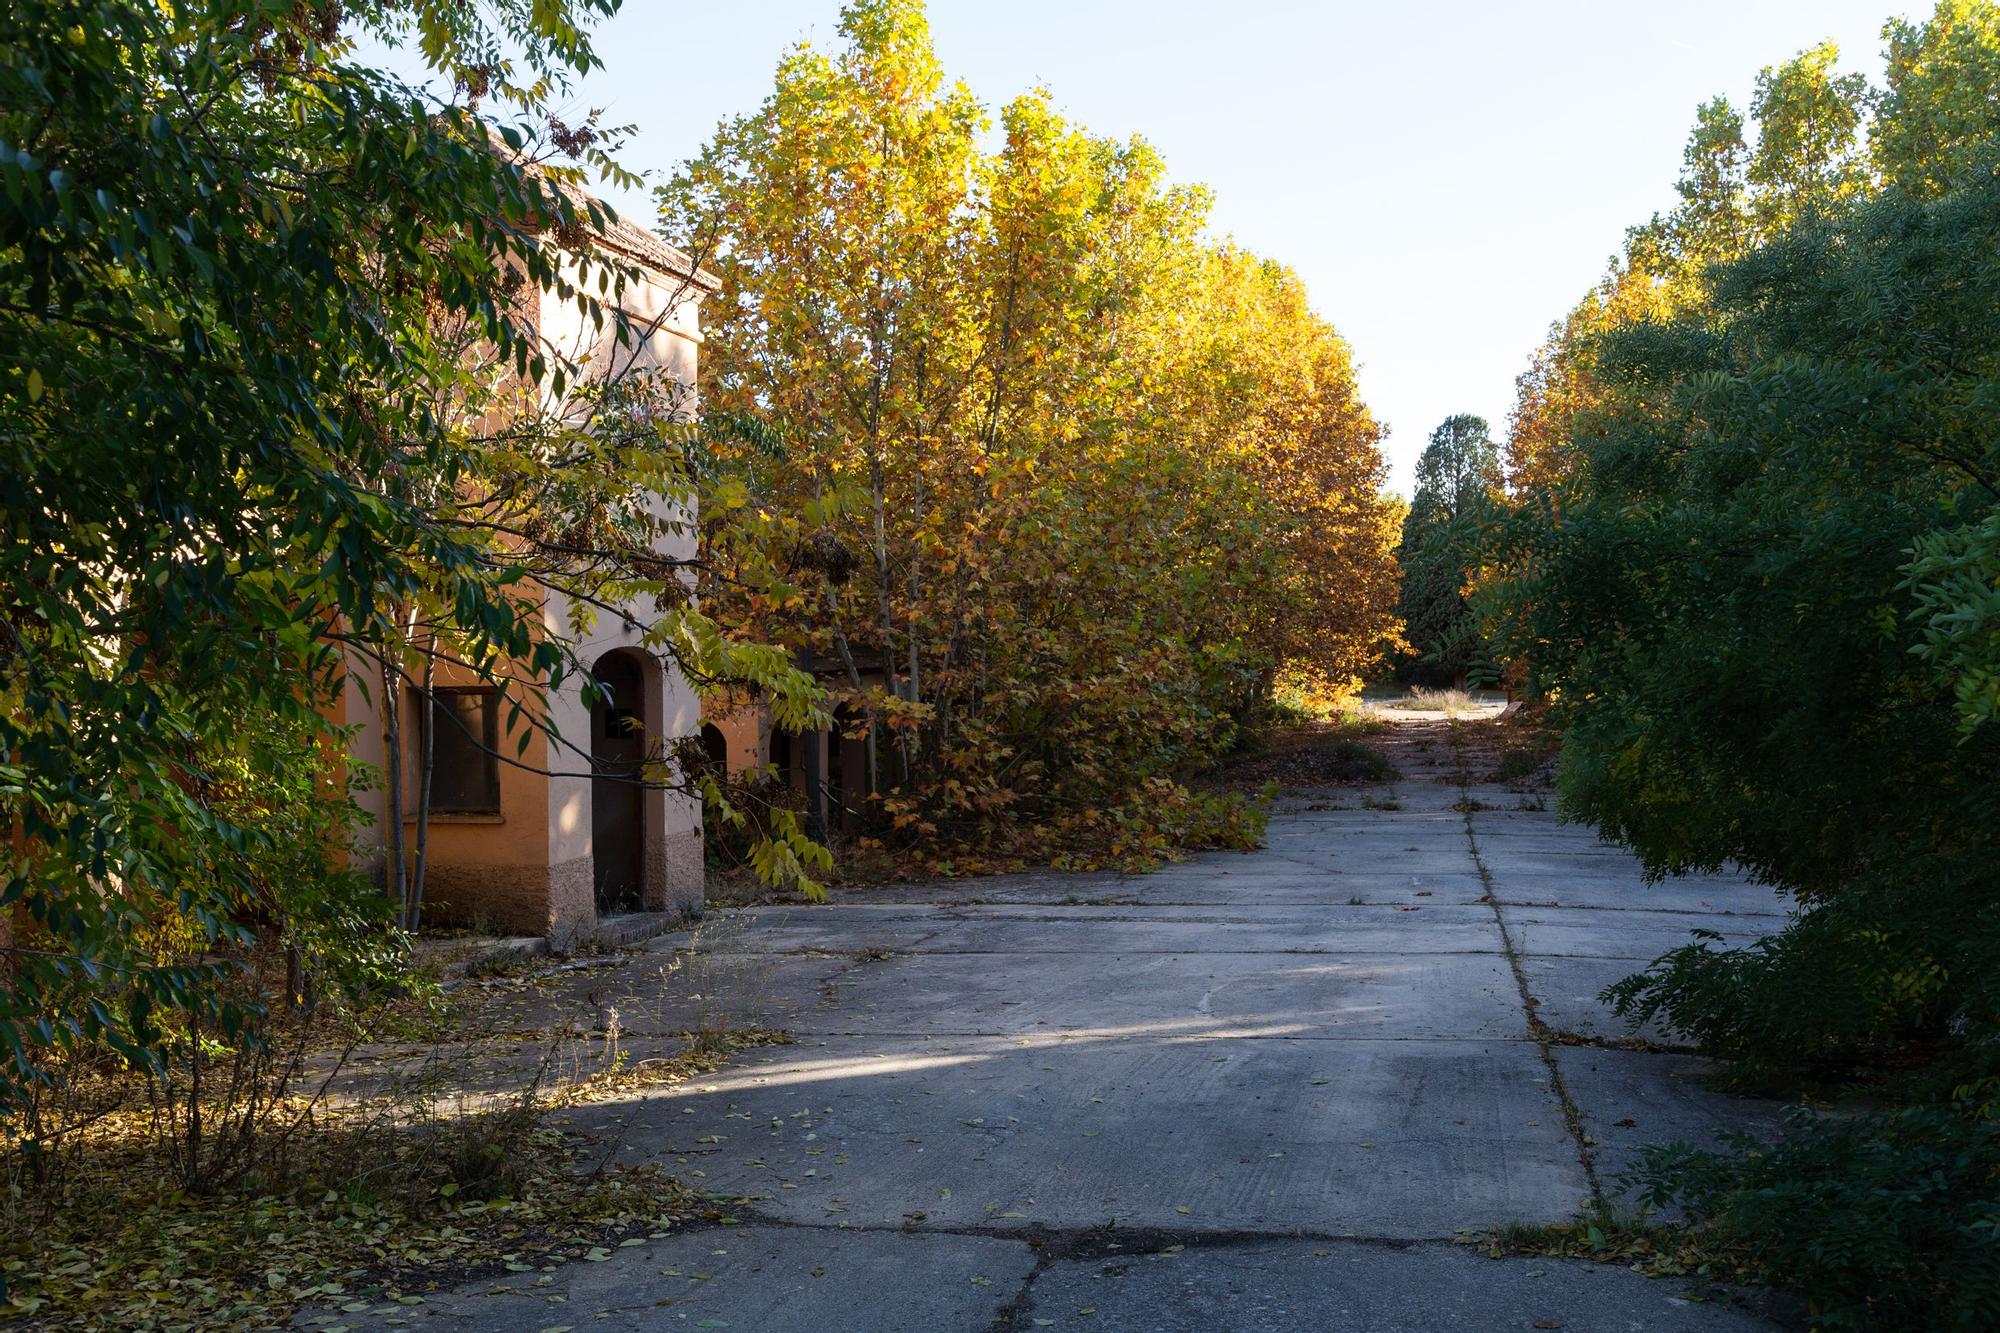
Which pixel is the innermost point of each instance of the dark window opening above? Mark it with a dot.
(465, 761)
(617, 793)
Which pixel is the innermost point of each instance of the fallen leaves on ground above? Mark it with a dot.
(127, 1249)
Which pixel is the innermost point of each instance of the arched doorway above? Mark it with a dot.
(846, 770)
(781, 757)
(716, 746)
(618, 737)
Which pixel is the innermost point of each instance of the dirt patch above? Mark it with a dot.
(1332, 754)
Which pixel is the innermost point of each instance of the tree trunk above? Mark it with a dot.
(413, 909)
(392, 765)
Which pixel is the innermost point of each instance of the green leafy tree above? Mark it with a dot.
(274, 405)
(1713, 218)
(1754, 562)
(1766, 611)
(1755, 570)
(1457, 481)
(1936, 123)
(1808, 156)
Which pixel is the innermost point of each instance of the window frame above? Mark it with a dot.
(487, 745)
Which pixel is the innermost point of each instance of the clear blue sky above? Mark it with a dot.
(1447, 177)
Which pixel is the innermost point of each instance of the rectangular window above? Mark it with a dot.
(465, 763)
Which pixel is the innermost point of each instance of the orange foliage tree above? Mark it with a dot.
(1065, 485)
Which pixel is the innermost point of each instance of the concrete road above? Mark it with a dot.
(1259, 1091)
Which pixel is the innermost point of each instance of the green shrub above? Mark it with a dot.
(1891, 1221)
(1891, 974)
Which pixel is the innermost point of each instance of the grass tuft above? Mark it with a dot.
(1421, 699)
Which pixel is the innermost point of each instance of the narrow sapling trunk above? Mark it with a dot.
(392, 765)
(414, 904)
(877, 489)
(194, 1123)
(914, 688)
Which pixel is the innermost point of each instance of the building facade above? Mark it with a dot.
(827, 767)
(554, 838)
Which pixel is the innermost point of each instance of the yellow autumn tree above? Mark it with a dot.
(1735, 193)
(1064, 484)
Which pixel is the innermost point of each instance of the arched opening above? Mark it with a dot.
(618, 739)
(716, 746)
(846, 770)
(781, 755)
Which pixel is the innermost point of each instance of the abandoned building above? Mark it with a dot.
(828, 768)
(559, 838)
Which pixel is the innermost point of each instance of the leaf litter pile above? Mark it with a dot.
(380, 1200)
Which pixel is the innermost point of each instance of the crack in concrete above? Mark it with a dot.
(1189, 953)
(1057, 1245)
(1073, 1242)
(829, 985)
(1639, 911)
(1088, 1035)
(1537, 1029)
(1248, 901)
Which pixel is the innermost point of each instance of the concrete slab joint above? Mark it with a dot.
(1258, 1091)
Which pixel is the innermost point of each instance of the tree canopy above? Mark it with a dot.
(1753, 563)
(1077, 480)
(1458, 480)
(276, 407)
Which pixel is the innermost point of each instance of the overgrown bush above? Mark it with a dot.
(1893, 973)
(1885, 1221)
(368, 1146)
(1294, 705)
(1743, 656)
(227, 1199)
(187, 991)
(1752, 566)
